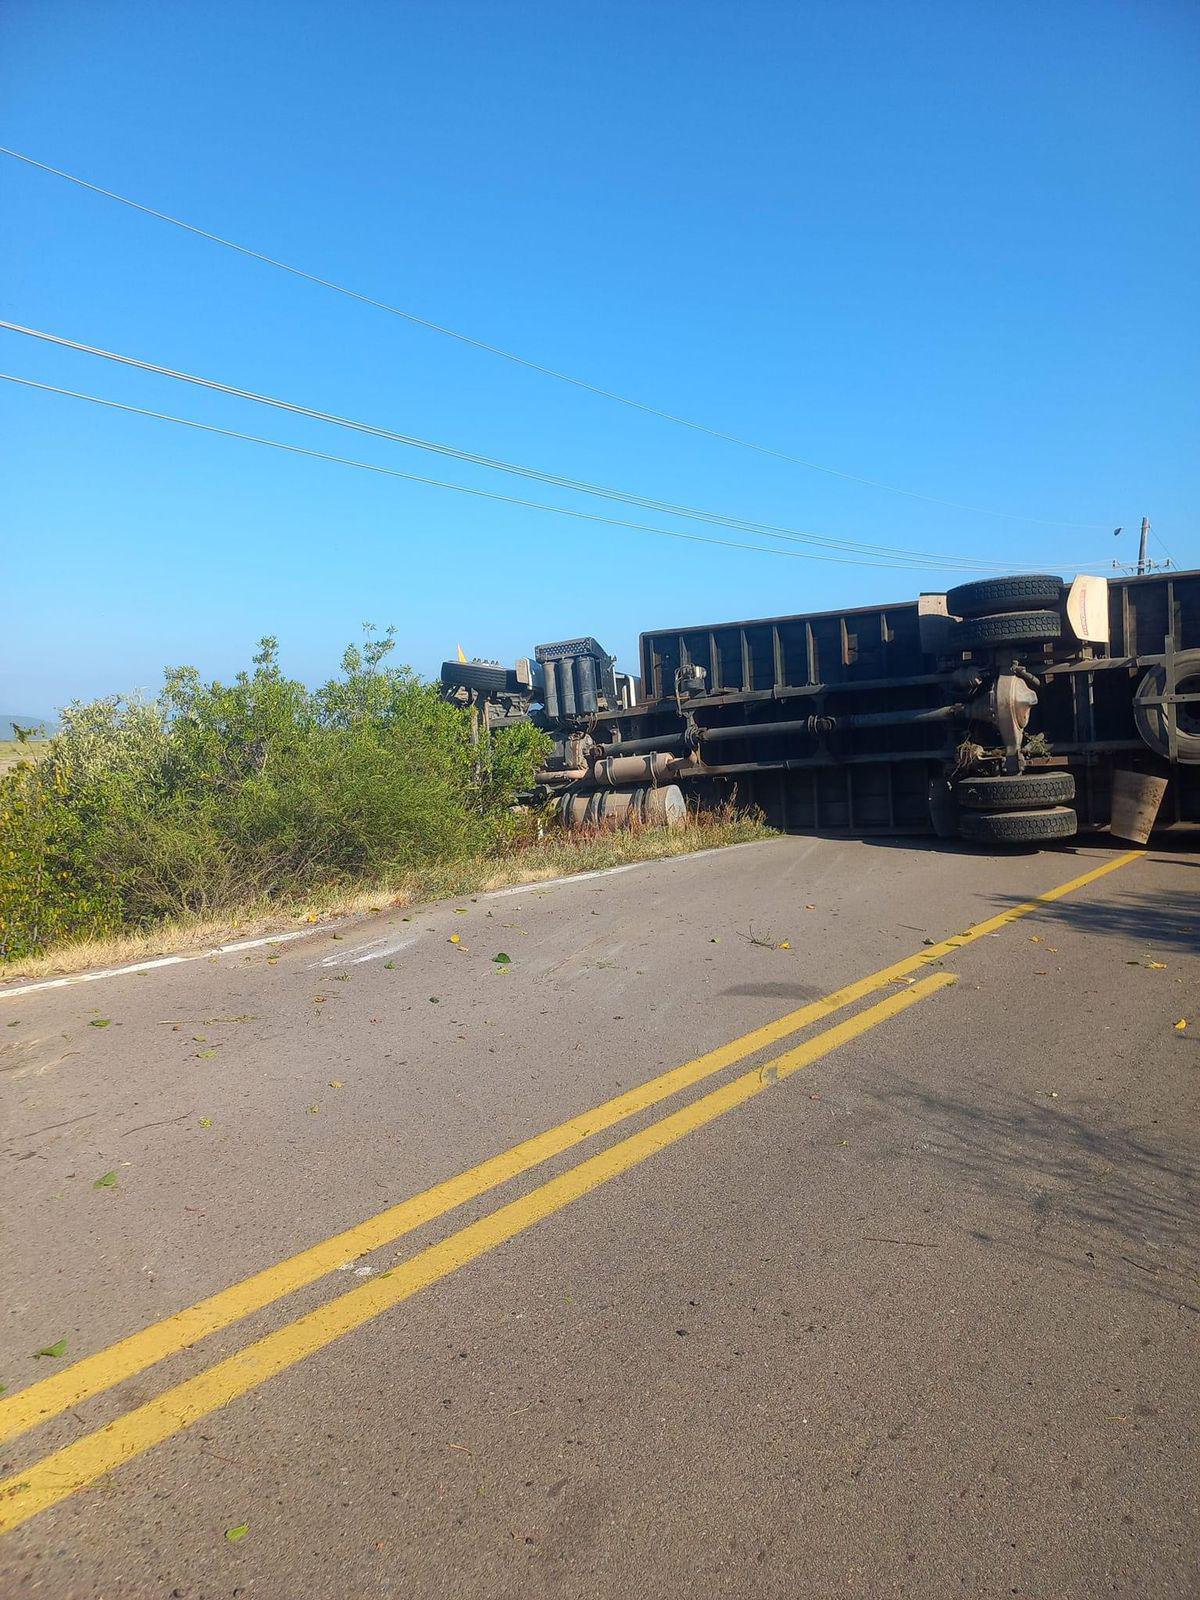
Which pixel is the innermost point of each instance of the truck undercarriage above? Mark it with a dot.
(1010, 710)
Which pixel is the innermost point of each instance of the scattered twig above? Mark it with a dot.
(766, 941)
(920, 1244)
(50, 1126)
(165, 1124)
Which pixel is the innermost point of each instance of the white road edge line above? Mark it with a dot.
(147, 966)
(628, 866)
(388, 950)
(373, 950)
(300, 933)
(341, 958)
(555, 883)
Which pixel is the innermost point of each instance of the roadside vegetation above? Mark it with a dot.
(147, 824)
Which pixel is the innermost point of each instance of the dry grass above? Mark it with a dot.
(13, 751)
(558, 855)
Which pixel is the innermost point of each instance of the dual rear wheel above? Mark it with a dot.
(1019, 827)
(996, 612)
(1025, 808)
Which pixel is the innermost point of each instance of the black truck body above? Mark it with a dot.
(893, 718)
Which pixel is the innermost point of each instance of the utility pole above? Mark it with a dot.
(1142, 545)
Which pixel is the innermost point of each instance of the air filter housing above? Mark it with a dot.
(580, 678)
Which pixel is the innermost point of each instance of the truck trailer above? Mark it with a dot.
(1008, 711)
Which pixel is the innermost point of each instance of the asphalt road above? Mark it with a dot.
(811, 1218)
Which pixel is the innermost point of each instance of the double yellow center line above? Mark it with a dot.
(78, 1464)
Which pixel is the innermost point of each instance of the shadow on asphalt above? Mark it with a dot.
(779, 991)
(924, 842)
(1183, 840)
(1159, 919)
(964, 847)
(1072, 1187)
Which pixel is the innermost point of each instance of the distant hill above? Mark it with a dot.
(9, 721)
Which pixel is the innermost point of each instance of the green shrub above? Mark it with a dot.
(217, 795)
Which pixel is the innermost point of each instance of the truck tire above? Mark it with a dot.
(1030, 592)
(1018, 827)
(1006, 627)
(1151, 720)
(1026, 791)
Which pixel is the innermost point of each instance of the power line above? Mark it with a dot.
(458, 488)
(523, 361)
(602, 491)
(1162, 546)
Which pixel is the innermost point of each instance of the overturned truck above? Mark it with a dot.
(1013, 710)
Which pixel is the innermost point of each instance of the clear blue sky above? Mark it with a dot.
(947, 245)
